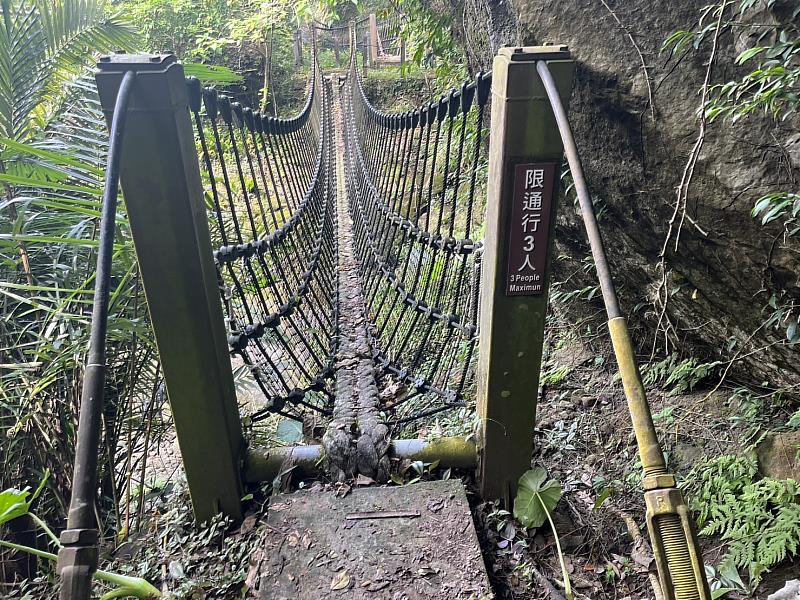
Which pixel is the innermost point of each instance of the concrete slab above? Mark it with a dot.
(399, 543)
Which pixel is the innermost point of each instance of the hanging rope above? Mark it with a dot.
(270, 188)
(412, 181)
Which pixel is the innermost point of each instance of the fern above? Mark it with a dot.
(756, 518)
(681, 375)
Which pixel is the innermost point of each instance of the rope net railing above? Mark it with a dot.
(270, 190)
(360, 37)
(389, 36)
(415, 184)
(332, 44)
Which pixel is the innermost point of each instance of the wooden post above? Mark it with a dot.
(336, 48)
(402, 52)
(366, 52)
(298, 48)
(160, 178)
(373, 39)
(525, 154)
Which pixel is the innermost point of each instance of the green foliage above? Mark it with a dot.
(17, 503)
(429, 37)
(553, 374)
(192, 30)
(756, 518)
(680, 375)
(52, 157)
(536, 498)
(765, 83)
(45, 44)
(781, 312)
(417, 471)
(794, 421)
(724, 580)
(208, 74)
(770, 88)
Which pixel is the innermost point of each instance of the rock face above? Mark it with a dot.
(726, 265)
(777, 455)
(791, 591)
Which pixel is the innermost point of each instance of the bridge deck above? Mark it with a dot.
(415, 541)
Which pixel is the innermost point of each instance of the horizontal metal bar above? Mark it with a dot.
(264, 464)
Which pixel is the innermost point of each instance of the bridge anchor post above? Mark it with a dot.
(160, 178)
(525, 155)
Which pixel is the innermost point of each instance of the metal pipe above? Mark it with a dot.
(264, 464)
(675, 546)
(77, 560)
(649, 448)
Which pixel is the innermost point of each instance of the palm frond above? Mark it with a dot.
(23, 67)
(44, 327)
(76, 30)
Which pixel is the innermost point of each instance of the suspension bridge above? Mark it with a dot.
(371, 270)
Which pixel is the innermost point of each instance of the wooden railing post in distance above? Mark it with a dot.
(297, 47)
(525, 155)
(366, 52)
(373, 39)
(163, 192)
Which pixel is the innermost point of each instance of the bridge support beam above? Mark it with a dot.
(525, 155)
(264, 464)
(160, 178)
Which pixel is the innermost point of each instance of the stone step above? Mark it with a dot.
(402, 542)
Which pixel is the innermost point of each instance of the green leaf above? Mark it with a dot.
(13, 504)
(748, 54)
(50, 185)
(58, 158)
(720, 592)
(536, 497)
(211, 73)
(791, 332)
(603, 496)
(290, 431)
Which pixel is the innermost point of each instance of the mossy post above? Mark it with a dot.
(373, 40)
(525, 155)
(160, 179)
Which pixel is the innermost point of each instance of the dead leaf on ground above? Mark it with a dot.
(254, 570)
(248, 524)
(307, 541)
(363, 480)
(376, 586)
(341, 581)
(436, 505)
(641, 554)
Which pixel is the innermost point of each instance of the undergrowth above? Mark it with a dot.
(756, 517)
(190, 562)
(681, 375)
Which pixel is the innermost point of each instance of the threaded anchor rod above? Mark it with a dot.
(677, 554)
